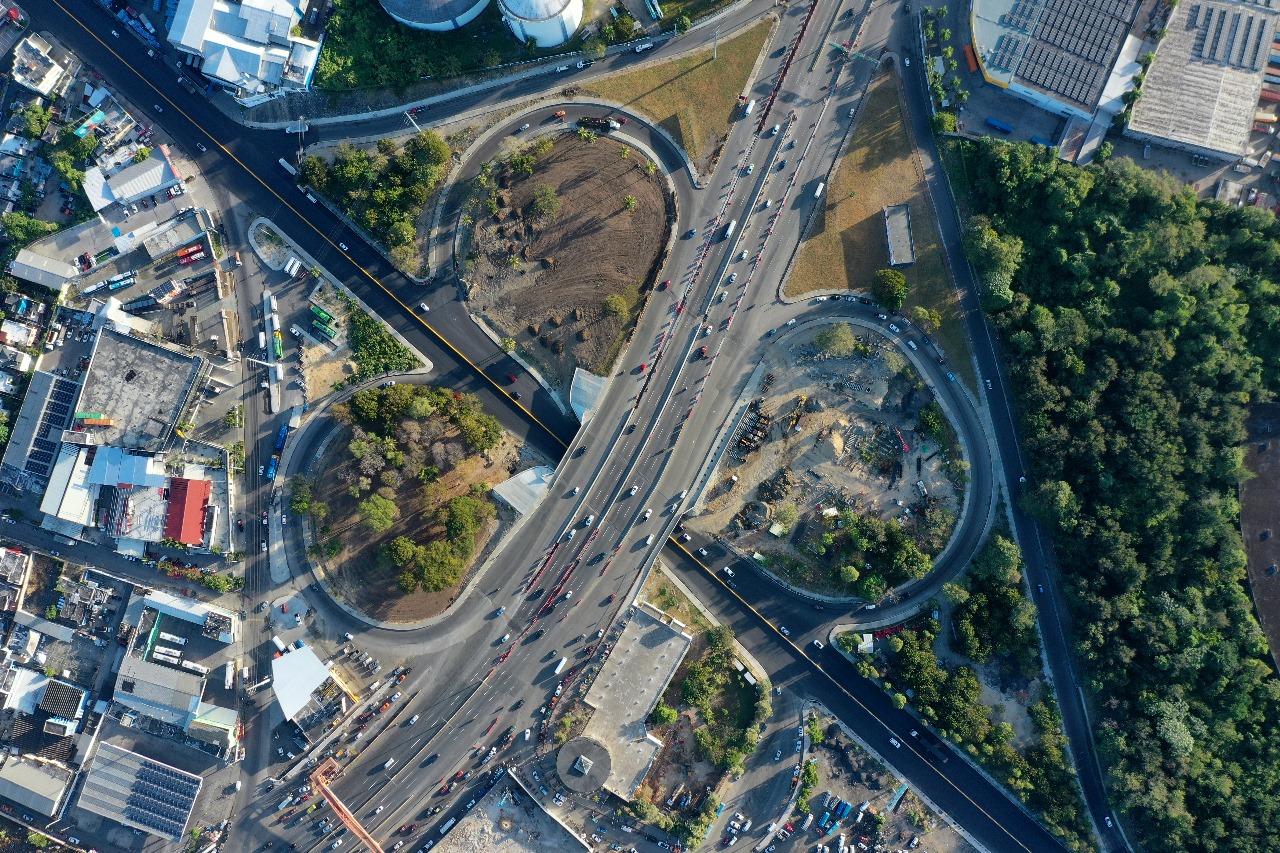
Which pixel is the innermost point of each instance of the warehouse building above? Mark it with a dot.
(139, 792)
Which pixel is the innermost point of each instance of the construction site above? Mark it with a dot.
(823, 436)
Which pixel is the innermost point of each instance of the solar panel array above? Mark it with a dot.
(161, 798)
(55, 418)
(1229, 35)
(1091, 31)
(1062, 73)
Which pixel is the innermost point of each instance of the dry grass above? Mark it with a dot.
(693, 98)
(847, 244)
(659, 591)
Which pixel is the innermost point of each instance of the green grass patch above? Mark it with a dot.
(365, 47)
(847, 244)
(693, 98)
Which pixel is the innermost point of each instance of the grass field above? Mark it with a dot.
(693, 98)
(847, 244)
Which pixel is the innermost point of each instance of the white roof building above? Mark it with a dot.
(46, 271)
(35, 69)
(154, 174)
(295, 676)
(248, 46)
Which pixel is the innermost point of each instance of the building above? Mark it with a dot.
(294, 677)
(546, 22)
(34, 783)
(1056, 54)
(139, 792)
(47, 272)
(163, 693)
(897, 232)
(250, 48)
(135, 181)
(1202, 91)
(36, 432)
(35, 69)
(437, 15)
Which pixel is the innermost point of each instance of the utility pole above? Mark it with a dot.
(409, 116)
(715, 42)
(302, 131)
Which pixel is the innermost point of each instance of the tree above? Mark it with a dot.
(403, 551)
(37, 840)
(682, 24)
(945, 121)
(36, 119)
(787, 514)
(545, 204)
(594, 47)
(945, 34)
(508, 345)
(630, 202)
(22, 229)
(141, 154)
(928, 319)
(615, 305)
(890, 288)
(838, 341)
(664, 714)
(379, 513)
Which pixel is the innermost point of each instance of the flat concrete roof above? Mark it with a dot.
(1202, 90)
(897, 227)
(37, 785)
(139, 386)
(626, 691)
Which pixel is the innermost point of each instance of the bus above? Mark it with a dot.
(195, 667)
(272, 467)
(173, 638)
(281, 437)
(324, 330)
(288, 167)
(323, 315)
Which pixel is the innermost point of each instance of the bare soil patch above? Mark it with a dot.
(826, 433)
(551, 301)
(359, 573)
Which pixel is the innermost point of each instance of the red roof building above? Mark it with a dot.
(188, 502)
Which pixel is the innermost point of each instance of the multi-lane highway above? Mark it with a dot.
(649, 436)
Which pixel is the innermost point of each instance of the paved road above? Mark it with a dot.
(652, 457)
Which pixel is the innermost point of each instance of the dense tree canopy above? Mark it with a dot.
(1140, 323)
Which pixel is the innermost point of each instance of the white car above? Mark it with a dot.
(262, 470)
(203, 150)
(777, 755)
(284, 519)
(633, 491)
(751, 168)
(820, 299)
(647, 513)
(895, 743)
(422, 306)
(782, 629)
(523, 128)
(893, 328)
(413, 719)
(343, 247)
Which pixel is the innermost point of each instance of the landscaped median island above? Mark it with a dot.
(971, 668)
(565, 236)
(846, 246)
(845, 477)
(708, 719)
(400, 508)
(693, 98)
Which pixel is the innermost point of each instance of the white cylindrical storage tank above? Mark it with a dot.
(437, 15)
(547, 22)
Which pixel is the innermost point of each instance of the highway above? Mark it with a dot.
(652, 431)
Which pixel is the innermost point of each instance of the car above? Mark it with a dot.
(685, 537)
(665, 285)
(893, 328)
(817, 644)
(512, 379)
(692, 232)
(751, 167)
(284, 519)
(203, 150)
(343, 247)
(1040, 588)
(782, 629)
(988, 381)
(576, 489)
(572, 533)
(647, 513)
(895, 743)
(413, 719)
(157, 108)
(423, 307)
(732, 278)
(388, 383)
(777, 755)
(951, 377)
(408, 828)
(584, 64)
(588, 521)
(536, 777)
(702, 552)
(561, 68)
(396, 695)
(791, 322)
(1107, 818)
(783, 164)
(915, 733)
(264, 517)
(262, 470)
(523, 128)
(821, 298)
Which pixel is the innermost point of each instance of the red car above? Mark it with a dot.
(512, 378)
(446, 788)
(408, 828)
(457, 777)
(665, 285)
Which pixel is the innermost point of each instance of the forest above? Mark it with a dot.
(1139, 323)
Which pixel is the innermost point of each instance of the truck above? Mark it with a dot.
(560, 666)
(601, 124)
(288, 167)
(191, 259)
(281, 437)
(272, 467)
(279, 644)
(277, 344)
(262, 341)
(728, 231)
(1000, 125)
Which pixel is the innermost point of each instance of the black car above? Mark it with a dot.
(538, 634)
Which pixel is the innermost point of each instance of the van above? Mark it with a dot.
(649, 539)
(390, 763)
(749, 108)
(822, 185)
(912, 344)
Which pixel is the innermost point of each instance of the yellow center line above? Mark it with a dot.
(803, 653)
(372, 278)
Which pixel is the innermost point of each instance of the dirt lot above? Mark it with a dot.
(848, 773)
(1259, 498)
(881, 170)
(358, 573)
(552, 301)
(847, 451)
